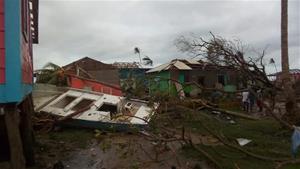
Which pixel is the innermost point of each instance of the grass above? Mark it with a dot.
(269, 139)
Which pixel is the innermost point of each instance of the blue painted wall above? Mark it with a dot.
(13, 91)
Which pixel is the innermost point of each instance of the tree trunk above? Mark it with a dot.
(284, 39)
(291, 105)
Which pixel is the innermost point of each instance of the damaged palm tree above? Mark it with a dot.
(51, 74)
(291, 104)
(146, 59)
(231, 53)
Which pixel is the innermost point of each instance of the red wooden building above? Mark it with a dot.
(91, 74)
(93, 85)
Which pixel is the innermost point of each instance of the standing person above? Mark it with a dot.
(259, 100)
(251, 98)
(245, 95)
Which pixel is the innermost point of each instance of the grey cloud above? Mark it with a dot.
(108, 31)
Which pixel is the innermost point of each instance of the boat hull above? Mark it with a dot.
(105, 126)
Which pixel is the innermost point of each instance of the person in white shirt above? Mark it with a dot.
(245, 100)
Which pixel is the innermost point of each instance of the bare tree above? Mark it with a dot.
(231, 53)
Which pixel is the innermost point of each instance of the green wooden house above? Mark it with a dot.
(175, 78)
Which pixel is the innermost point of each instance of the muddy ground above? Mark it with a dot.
(87, 149)
(93, 149)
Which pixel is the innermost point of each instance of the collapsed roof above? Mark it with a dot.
(187, 64)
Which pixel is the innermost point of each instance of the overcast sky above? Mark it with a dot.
(109, 31)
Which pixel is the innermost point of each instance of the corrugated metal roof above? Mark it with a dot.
(159, 68)
(292, 71)
(178, 64)
(181, 66)
(121, 65)
(192, 61)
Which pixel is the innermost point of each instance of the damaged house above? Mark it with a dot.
(176, 77)
(130, 71)
(93, 75)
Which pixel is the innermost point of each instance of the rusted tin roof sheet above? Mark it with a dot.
(180, 65)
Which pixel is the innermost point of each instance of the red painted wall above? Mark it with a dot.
(27, 66)
(80, 83)
(2, 45)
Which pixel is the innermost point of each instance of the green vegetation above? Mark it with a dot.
(51, 74)
(269, 139)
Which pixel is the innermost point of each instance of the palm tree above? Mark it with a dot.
(138, 51)
(284, 39)
(51, 74)
(147, 61)
(272, 61)
(291, 104)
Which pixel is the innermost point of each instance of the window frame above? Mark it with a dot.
(25, 19)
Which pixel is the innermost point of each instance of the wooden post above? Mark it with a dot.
(12, 120)
(26, 108)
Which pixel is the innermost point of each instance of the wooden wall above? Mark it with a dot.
(80, 83)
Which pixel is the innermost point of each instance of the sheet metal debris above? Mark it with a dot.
(243, 141)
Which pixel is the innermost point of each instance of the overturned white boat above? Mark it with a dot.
(97, 110)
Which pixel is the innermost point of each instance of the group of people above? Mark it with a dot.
(250, 98)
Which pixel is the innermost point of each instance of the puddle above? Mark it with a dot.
(125, 151)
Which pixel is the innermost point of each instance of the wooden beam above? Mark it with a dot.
(12, 119)
(27, 135)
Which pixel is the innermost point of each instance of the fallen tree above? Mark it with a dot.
(222, 52)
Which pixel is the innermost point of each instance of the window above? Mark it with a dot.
(109, 108)
(221, 79)
(201, 80)
(62, 103)
(82, 104)
(112, 109)
(187, 77)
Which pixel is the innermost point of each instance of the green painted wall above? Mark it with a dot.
(159, 82)
(211, 77)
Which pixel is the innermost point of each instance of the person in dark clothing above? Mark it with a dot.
(259, 101)
(251, 100)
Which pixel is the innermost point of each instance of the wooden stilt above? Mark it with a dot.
(12, 120)
(27, 135)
